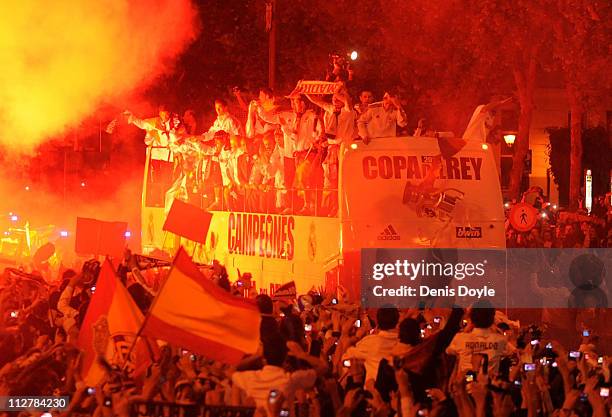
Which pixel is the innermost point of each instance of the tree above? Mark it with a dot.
(433, 55)
(582, 51)
(512, 34)
(597, 156)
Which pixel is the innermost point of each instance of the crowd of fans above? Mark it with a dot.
(320, 355)
(557, 228)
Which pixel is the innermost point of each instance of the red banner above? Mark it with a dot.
(97, 237)
(188, 221)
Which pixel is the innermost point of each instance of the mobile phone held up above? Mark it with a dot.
(529, 367)
(273, 396)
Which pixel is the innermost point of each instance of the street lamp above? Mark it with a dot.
(509, 138)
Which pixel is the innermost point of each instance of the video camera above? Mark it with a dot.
(339, 68)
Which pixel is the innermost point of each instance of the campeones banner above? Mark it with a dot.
(263, 235)
(315, 87)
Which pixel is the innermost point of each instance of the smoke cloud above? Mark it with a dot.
(62, 59)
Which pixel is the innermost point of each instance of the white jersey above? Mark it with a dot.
(484, 341)
(377, 122)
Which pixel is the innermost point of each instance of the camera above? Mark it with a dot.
(437, 320)
(91, 390)
(586, 333)
(529, 367)
(600, 360)
(549, 346)
(193, 358)
(308, 327)
(14, 314)
(574, 354)
(334, 301)
(604, 392)
(470, 376)
(346, 363)
(358, 323)
(535, 342)
(423, 412)
(284, 413)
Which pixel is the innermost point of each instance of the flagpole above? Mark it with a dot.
(144, 322)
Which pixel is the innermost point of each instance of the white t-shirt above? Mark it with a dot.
(372, 349)
(258, 384)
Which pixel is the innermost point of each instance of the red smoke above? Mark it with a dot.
(62, 59)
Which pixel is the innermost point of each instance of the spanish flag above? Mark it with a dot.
(191, 311)
(110, 326)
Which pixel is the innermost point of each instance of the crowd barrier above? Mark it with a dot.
(168, 409)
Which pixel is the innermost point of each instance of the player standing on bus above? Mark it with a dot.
(157, 140)
(302, 132)
(339, 122)
(380, 120)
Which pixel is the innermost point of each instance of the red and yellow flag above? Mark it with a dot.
(191, 311)
(109, 327)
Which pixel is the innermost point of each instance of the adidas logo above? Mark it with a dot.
(389, 234)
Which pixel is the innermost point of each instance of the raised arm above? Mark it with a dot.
(274, 118)
(319, 102)
(143, 124)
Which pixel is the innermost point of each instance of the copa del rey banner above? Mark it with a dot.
(315, 87)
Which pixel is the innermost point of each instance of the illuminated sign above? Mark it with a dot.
(588, 190)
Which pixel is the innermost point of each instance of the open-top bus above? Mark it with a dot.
(381, 205)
